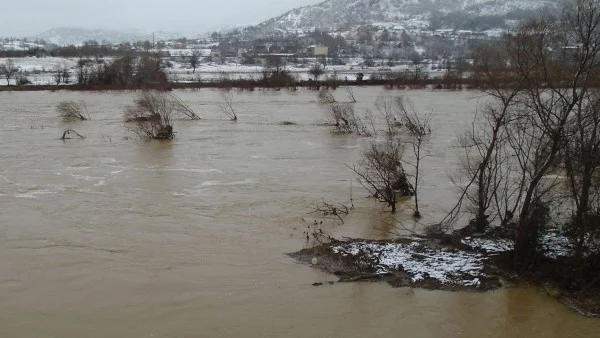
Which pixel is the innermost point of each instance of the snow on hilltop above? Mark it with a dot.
(336, 14)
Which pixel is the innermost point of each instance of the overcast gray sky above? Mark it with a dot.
(31, 17)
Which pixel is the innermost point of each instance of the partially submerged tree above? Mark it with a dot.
(381, 172)
(152, 115)
(228, 107)
(419, 127)
(181, 107)
(342, 115)
(71, 110)
(345, 120)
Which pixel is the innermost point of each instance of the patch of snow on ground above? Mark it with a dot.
(555, 245)
(448, 267)
(488, 245)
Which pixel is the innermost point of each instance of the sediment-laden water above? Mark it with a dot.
(112, 236)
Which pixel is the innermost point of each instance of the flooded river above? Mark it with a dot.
(111, 236)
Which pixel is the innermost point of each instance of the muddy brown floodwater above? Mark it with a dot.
(116, 237)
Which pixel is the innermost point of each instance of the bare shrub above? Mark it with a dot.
(388, 108)
(332, 209)
(228, 108)
(342, 115)
(325, 96)
(345, 120)
(71, 110)
(152, 115)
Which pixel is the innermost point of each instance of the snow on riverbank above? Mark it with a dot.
(552, 244)
(421, 262)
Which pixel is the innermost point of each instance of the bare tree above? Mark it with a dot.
(71, 110)
(66, 76)
(57, 75)
(484, 154)
(228, 107)
(195, 59)
(316, 70)
(417, 66)
(541, 124)
(9, 70)
(419, 126)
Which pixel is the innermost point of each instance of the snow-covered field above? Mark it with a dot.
(39, 70)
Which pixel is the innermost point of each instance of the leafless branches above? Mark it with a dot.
(331, 209)
(342, 114)
(381, 172)
(419, 126)
(181, 107)
(71, 110)
(539, 136)
(325, 96)
(152, 115)
(228, 107)
(350, 93)
(67, 134)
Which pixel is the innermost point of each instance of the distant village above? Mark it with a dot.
(368, 49)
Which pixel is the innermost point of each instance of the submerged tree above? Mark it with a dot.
(71, 110)
(228, 107)
(152, 115)
(381, 172)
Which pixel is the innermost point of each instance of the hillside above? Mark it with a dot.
(340, 14)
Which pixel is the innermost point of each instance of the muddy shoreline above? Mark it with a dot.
(448, 264)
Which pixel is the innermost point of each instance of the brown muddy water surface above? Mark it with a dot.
(115, 237)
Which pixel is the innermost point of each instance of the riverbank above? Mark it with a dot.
(449, 263)
(243, 84)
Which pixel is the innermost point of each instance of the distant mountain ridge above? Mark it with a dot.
(77, 36)
(337, 14)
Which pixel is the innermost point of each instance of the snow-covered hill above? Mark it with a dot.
(336, 14)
